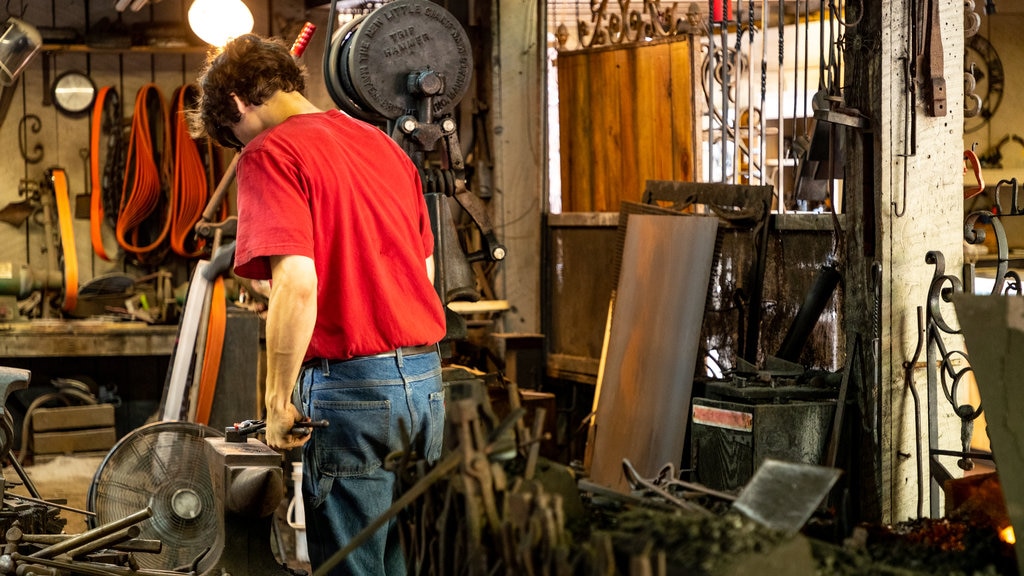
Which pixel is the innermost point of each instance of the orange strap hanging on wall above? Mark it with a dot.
(59, 180)
(189, 186)
(142, 191)
(212, 351)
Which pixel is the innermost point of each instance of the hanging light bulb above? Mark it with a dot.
(217, 21)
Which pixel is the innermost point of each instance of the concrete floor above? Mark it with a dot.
(64, 477)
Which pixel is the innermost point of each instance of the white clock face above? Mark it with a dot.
(73, 92)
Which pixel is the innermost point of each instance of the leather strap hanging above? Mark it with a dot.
(59, 181)
(934, 66)
(144, 206)
(189, 186)
(213, 349)
(106, 120)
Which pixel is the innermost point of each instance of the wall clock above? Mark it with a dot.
(982, 61)
(73, 93)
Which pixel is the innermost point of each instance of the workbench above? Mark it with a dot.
(130, 360)
(126, 362)
(62, 338)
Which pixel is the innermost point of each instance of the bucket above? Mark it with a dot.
(297, 515)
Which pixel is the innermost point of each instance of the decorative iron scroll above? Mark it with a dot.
(1006, 281)
(30, 122)
(608, 27)
(948, 368)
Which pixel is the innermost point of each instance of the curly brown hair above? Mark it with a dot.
(249, 66)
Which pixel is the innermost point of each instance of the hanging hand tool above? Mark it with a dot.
(933, 64)
(972, 20)
(972, 102)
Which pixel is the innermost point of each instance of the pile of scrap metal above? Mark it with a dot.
(33, 538)
(492, 504)
(490, 501)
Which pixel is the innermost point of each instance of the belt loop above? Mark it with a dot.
(399, 357)
(325, 366)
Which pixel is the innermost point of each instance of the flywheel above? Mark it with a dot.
(381, 66)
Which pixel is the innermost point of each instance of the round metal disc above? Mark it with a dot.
(336, 77)
(405, 37)
(361, 109)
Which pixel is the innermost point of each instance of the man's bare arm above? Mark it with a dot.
(291, 315)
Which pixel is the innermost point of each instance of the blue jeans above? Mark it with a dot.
(344, 484)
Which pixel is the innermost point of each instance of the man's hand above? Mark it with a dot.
(279, 428)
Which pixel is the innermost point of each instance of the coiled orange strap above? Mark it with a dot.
(190, 187)
(142, 192)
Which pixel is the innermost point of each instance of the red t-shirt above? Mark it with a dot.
(343, 193)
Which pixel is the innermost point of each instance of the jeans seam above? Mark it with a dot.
(410, 405)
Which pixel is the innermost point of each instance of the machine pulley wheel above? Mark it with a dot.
(373, 58)
(339, 86)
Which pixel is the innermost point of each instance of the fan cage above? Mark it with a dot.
(147, 468)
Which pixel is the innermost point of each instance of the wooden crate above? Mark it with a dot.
(73, 429)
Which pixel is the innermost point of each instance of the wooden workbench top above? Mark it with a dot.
(56, 338)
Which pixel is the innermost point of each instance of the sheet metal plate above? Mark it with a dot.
(653, 343)
(783, 495)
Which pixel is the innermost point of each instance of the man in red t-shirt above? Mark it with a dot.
(331, 211)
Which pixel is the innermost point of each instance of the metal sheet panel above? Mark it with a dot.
(644, 388)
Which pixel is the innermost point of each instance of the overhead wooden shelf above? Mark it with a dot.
(85, 48)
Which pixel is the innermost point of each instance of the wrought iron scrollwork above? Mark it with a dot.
(953, 365)
(1006, 281)
(33, 123)
(940, 294)
(947, 369)
(627, 25)
(1015, 209)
